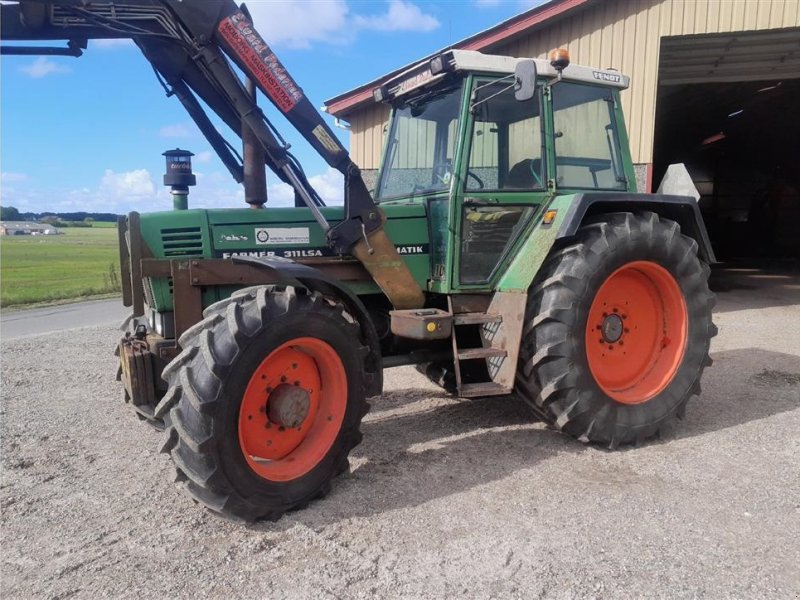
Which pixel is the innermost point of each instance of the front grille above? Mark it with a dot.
(182, 241)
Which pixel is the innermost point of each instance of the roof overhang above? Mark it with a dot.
(343, 104)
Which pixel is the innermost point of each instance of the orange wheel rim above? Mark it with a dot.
(636, 332)
(293, 409)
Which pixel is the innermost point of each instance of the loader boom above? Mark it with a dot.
(190, 46)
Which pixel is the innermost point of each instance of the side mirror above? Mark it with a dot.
(525, 80)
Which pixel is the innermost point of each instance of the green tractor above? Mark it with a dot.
(504, 250)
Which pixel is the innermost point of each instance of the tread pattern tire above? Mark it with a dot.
(553, 374)
(207, 381)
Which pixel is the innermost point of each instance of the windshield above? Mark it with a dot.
(422, 140)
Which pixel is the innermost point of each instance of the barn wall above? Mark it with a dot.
(621, 34)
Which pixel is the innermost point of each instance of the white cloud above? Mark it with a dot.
(329, 185)
(299, 23)
(42, 67)
(400, 16)
(9, 177)
(137, 184)
(113, 43)
(176, 130)
(203, 157)
(217, 190)
(296, 24)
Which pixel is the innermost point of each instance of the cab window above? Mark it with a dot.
(506, 148)
(586, 138)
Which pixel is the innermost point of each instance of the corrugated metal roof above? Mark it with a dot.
(744, 56)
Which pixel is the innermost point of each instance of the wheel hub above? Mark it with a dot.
(611, 328)
(288, 405)
(636, 332)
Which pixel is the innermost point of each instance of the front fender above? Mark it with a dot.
(298, 275)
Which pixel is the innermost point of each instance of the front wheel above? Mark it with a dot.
(619, 328)
(266, 401)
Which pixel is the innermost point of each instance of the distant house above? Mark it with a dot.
(27, 228)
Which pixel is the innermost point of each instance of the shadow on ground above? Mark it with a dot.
(756, 285)
(441, 446)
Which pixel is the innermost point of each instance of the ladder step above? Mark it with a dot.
(473, 353)
(489, 388)
(476, 318)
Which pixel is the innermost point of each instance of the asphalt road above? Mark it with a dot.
(446, 497)
(22, 323)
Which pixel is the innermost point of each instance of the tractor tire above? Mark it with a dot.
(618, 328)
(265, 401)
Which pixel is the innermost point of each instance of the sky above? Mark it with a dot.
(87, 134)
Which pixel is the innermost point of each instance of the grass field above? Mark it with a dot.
(83, 262)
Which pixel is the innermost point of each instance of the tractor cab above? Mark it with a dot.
(486, 159)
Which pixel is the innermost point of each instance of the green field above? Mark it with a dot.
(81, 263)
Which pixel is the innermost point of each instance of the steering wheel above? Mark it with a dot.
(477, 179)
(535, 174)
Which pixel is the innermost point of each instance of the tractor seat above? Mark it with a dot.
(521, 176)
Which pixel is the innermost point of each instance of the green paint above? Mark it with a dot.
(432, 220)
(527, 261)
(223, 233)
(180, 201)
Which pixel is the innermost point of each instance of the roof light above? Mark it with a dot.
(380, 94)
(440, 64)
(559, 58)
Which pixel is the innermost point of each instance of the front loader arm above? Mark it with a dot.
(188, 44)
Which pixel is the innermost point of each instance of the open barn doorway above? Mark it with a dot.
(727, 109)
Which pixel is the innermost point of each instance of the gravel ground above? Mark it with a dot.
(446, 497)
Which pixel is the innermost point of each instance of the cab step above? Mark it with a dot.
(473, 353)
(488, 388)
(476, 318)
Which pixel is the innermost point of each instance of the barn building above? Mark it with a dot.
(715, 84)
(27, 228)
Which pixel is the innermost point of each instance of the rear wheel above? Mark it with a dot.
(265, 401)
(619, 327)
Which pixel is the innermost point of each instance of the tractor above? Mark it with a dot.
(504, 251)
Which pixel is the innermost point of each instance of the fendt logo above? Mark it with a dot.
(606, 76)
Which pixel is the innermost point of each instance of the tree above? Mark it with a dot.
(9, 213)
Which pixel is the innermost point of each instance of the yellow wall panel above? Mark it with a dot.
(621, 34)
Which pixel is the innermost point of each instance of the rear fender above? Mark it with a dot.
(298, 275)
(682, 209)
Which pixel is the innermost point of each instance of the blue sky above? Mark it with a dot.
(88, 133)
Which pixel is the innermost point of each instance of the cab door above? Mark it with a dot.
(502, 183)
